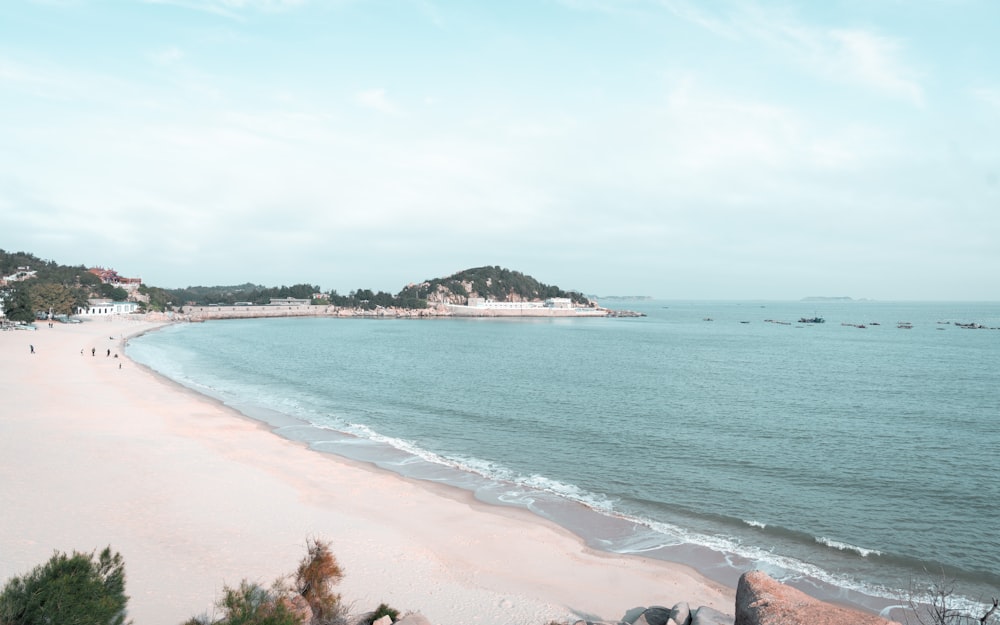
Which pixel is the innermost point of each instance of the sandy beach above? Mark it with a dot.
(96, 450)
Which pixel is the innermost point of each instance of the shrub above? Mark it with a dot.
(382, 610)
(68, 589)
(315, 578)
(252, 605)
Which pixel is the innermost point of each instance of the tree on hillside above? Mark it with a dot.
(159, 299)
(113, 292)
(76, 589)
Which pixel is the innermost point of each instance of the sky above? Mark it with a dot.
(678, 149)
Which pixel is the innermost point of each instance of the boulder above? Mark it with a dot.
(654, 615)
(681, 614)
(760, 600)
(710, 616)
(413, 618)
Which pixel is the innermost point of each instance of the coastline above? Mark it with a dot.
(196, 495)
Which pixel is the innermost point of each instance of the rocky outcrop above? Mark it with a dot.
(760, 600)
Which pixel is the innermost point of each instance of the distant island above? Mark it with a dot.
(622, 298)
(820, 298)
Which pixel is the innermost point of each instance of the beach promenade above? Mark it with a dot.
(96, 450)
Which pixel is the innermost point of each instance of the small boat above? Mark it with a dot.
(812, 320)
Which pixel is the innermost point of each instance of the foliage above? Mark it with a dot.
(229, 295)
(317, 574)
(73, 589)
(47, 270)
(17, 304)
(54, 297)
(249, 604)
(159, 299)
(59, 287)
(382, 610)
(111, 291)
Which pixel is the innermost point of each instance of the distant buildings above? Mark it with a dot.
(22, 273)
(551, 303)
(106, 308)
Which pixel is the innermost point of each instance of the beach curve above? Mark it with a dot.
(98, 450)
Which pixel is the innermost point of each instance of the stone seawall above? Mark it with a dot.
(476, 311)
(205, 313)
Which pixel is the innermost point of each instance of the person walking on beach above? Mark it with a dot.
(93, 351)
(32, 348)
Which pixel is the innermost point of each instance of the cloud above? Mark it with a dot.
(168, 56)
(989, 96)
(696, 15)
(232, 8)
(844, 55)
(377, 100)
(873, 60)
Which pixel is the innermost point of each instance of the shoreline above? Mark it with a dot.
(598, 530)
(106, 451)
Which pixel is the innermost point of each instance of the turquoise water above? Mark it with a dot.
(852, 462)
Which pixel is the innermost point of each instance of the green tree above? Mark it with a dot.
(17, 304)
(46, 296)
(111, 291)
(159, 299)
(77, 589)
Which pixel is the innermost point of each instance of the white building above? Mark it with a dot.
(488, 304)
(106, 308)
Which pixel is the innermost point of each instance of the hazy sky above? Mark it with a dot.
(674, 148)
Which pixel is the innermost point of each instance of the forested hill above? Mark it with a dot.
(51, 287)
(490, 282)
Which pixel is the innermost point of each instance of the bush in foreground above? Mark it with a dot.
(304, 598)
(77, 589)
(318, 572)
(382, 610)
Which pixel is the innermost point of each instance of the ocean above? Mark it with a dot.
(856, 463)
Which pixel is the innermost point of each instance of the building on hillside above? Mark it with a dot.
(110, 276)
(106, 308)
(22, 273)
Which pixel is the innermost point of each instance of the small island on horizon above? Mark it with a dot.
(836, 298)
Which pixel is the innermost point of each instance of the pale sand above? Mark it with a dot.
(195, 496)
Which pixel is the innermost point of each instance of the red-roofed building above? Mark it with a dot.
(110, 276)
